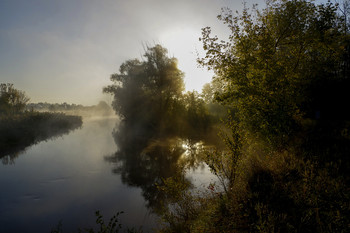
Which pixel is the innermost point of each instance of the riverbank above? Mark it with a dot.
(22, 130)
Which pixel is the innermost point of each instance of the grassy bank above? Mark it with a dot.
(22, 130)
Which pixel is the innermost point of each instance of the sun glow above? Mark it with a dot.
(184, 44)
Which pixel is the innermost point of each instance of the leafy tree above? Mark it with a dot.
(148, 94)
(277, 63)
(148, 91)
(11, 100)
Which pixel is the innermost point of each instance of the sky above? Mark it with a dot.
(65, 50)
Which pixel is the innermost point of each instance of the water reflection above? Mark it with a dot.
(67, 179)
(146, 161)
(10, 158)
(14, 143)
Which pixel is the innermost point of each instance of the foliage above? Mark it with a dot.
(284, 73)
(281, 194)
(224, 163)
(12, 101)
(180, 207)
(147, 88)
(149, 93)
(274, 62)
(112, 227)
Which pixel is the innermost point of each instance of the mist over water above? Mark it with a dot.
(67, 179)
(101, 166)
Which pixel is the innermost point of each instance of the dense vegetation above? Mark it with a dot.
(20, 129)
(149, 95)
(284, 73)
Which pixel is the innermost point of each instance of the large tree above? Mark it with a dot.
(278, 63)
(148, 91)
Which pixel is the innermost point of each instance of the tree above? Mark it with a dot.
(11, 100)
(274, 62)
(148, 92)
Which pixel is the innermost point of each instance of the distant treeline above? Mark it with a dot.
(53, 107)
(102, 108)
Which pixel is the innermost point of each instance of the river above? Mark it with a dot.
(68, 178)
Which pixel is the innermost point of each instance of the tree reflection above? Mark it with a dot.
(10, 158)
(19, 132)
(145, 161)
(162, 128)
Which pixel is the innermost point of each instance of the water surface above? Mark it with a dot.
(67, 179)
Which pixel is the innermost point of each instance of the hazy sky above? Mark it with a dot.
(66, 50)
